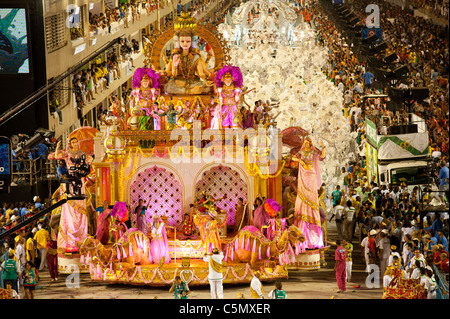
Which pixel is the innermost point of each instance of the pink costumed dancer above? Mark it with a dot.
(260, 216)
(74, 221)
(120, 215)
(159, 246)
(340, 267)
(145, 87)
(229, 89)
(103, 222)
(306, 214)
(275, 225)
(216, 118)
(157, 120)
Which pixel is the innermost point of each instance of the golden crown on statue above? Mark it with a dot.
(185, 24)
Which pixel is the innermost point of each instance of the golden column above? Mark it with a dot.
(115, 150)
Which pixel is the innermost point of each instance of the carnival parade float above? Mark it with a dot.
(188, 168)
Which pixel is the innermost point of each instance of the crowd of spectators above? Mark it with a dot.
(24, 253)
(12, 214)
(422, 46)
(438, 7)
(126, 13)
(389, 216)
(419, 44)
(96, 78)
(381, 212)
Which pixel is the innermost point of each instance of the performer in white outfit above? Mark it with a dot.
(256, 288)
(215, 276)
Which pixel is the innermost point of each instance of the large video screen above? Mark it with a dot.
(13, 41)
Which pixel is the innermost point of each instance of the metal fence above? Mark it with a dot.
(30, 171)
(442, 284)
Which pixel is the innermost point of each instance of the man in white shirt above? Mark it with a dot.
(432, 284)
(365, 248)
(427, 283)
(215, 276)
(377, 219)
(384, 246)
(341, 86)
(417, 257)
(256, 287)
(20, 253)
(392, 254)
(338, 214)
(416, 271)
(357, 111)
(343, 176)
(407, 253)
(348, 97)
(358, 88)
(349, 214)
(407, 232)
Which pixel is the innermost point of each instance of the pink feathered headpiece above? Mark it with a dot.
(235, 73)
(139, 74)
(120, 210)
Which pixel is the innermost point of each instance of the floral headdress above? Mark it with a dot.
(120, 210)
(140, 73)
(234, 71)
(272, 207)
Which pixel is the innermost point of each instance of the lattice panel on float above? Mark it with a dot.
(161, 192)
(220, 180)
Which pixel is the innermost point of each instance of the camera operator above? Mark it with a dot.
(62, 170)
(79, 165)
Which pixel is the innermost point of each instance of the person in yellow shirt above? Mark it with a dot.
(21, 234)
(99, 75)
(105, 74)
(41, 244)
(356, 202)
(348, 259)
(371, 199)
(30, 248)
(8, 211)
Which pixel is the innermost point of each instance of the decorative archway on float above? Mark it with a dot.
(218, 180)
(162, 192)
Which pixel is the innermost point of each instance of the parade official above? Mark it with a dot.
(215, 276)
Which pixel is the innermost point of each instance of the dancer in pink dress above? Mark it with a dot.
(119, 213)
(159, 246)
(340, 267)
(157, 119)
(73, 228)
(216, 117)
(229, 90)
(306, 214)
(103, 223)
(260, 216)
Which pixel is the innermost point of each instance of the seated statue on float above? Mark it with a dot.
(186, 70)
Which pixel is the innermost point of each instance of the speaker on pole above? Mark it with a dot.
(417, 93)
(390, 58)
(379, 47)
(401, 71)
